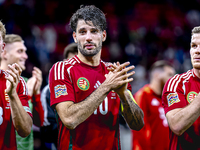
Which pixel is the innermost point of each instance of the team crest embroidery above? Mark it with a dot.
(60, 90)
(172, 98)
(83, 83)
(191, 96)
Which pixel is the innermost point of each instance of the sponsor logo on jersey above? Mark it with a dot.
(83, 83)
(172, 98)
(191, 96)
(60, 90)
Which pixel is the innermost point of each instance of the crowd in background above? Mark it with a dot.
(138, 31)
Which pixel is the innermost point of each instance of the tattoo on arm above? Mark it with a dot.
(132, 113)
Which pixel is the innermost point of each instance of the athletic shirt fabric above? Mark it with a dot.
(7, 130)
(155, 133)
(26, 143)
(73, 80)
(178, 92)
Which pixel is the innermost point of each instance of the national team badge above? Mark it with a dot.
(83, 83)
(60, 90)
(172, 98)
(191, 96)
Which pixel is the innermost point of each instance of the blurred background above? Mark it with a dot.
(139, 31)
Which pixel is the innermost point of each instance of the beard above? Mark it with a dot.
(93, 52)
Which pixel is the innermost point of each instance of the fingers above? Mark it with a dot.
(126, 76)
(37, 73)
(14, 72)
(13, 77)
(117, 66)
(18, 68)
(30, 85)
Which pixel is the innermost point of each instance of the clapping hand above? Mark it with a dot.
(13, 77)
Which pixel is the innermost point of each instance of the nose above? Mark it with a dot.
(197, 51)
(25, 55)
(88, 36)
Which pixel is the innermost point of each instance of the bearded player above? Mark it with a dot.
(86, 96)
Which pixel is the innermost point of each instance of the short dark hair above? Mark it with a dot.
(71, 48)
(89, 13)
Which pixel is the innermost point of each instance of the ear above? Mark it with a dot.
(3, 46)
(4, 54)
(74, 37)
(104, 35)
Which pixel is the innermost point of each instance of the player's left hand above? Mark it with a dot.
(122, 88)
(13, 77)
(37, 73)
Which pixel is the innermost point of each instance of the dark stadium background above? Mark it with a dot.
(138, 31)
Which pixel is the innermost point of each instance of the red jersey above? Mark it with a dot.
(155, 133)
(7, 130)
(178, 92)
(73, 80)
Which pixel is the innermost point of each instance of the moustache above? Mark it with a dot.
(89, 43)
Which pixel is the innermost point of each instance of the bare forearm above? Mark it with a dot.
(21, 119)
(132, 112)
(76, 113)
(181, 119)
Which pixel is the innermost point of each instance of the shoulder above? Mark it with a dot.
(65, 64)
(2, 72)
(62, 69)
(177, 80)
(23, 80)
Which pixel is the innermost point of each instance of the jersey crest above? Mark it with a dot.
(83, 84)
(191, 96)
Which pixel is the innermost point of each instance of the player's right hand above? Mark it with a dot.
(119, 76)
(13, 77)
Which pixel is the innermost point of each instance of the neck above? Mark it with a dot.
(156, 87)
(4, 66)
(197, 72)
(90, 60)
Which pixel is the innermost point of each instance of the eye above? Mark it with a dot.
(20, 51)
(82, 31)
(94, 31)
(193, 45)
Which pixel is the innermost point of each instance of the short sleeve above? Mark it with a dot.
(60, 83)
(173, 98)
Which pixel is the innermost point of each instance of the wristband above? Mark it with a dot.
(129, 92)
